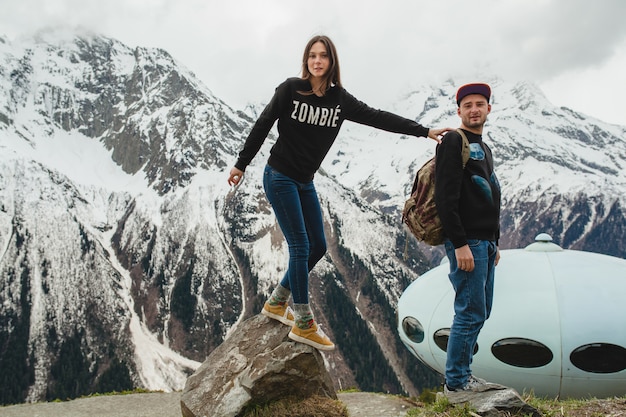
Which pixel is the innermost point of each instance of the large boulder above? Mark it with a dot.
(256, 364)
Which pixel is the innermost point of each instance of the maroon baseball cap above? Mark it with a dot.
(475, 88)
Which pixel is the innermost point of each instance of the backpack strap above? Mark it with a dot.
(465, 150)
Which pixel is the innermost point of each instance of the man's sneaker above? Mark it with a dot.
(282, 313)
(473, 384)
(447, 390)
(313, 337)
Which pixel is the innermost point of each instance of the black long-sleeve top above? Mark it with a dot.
(468, 200)
(308, 125)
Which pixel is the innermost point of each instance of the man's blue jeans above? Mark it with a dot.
(299, 216)
(472, 306)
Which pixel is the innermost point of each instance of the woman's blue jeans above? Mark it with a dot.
(299, 216)
(472, 306)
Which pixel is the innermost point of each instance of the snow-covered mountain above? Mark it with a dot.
(562, 172)
(125, 258)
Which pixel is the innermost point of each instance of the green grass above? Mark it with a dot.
(591, 407)
(429, 405)
(105, 394)
(292, 407)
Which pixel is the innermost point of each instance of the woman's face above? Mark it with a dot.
(318, 61)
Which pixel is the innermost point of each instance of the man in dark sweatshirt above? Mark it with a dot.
(468, 203)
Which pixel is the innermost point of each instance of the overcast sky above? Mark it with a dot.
(575, 50)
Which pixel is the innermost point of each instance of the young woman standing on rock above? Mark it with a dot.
(310, 111)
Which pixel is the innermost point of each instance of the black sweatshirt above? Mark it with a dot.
(468, 200)
(308, 126)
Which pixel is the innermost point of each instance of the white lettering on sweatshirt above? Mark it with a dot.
(317, 116)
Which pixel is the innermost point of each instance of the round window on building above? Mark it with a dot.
(599, 358)
(413, 329)
(441, 337)
(523, 353)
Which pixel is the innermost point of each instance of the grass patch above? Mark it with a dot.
(315, 406)
(125, 392)
(591, 407)
(106, 394)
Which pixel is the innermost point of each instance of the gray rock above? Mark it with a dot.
(256, 364)
(493, 400)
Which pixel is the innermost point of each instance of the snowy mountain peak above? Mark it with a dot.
(140, 103)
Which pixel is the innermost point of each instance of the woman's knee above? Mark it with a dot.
(299, 249)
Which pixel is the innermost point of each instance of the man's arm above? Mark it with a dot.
(448, 183)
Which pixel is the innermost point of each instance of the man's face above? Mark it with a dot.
(473, 110)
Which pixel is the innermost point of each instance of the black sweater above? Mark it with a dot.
(308, 126)
(468, 200)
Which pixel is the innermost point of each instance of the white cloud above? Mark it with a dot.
(243, 49)
(597, 90)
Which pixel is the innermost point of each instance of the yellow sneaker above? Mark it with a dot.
(282, 313)
(313, 337)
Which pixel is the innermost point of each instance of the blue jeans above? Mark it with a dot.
(299, 216)
(472, 306)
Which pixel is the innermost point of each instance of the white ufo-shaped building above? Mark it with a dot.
(557, 326)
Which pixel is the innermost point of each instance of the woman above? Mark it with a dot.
(310, 111)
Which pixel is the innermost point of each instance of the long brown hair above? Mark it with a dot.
(333, 75)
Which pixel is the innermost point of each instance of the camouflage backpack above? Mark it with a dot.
(420, 211)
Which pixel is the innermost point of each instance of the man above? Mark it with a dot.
(468, 203)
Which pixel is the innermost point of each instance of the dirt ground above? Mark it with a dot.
(168, 405)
